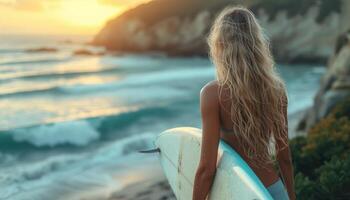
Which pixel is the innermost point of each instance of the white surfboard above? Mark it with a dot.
(179, 157)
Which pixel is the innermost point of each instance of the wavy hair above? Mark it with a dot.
(245, 67)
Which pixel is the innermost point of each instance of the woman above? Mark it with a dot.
(246, 106)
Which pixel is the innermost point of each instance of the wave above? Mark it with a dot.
(53, 88)
(51, 74)
(139, 80)
(74, 66)
(58, 74)
(63, 134)
(168, 77)
(29, 92)
(76, 170)
(119, 148)
(33, 61)
(78, 133)
(12, 50)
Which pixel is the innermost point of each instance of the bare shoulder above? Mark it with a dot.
(209, 92)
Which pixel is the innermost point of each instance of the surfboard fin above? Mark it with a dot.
(150, 150)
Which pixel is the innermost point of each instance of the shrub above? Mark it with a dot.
(304, 187)
(296, 145)
(322, 158)
(334, 179)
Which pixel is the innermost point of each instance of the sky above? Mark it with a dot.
(54, 17)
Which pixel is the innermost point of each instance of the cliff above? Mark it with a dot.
(300, 30)
(335, 84)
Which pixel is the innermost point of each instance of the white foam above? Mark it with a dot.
(78, 133)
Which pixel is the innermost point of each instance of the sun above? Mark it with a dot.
(60, 16)
(86, 13)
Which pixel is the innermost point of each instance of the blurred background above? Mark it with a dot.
(85, 84)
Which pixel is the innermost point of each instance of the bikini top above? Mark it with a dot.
(227, 131)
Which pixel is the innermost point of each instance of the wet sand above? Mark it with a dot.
(153, 189)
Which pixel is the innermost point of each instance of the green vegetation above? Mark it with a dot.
(296, 7)
(322, 158)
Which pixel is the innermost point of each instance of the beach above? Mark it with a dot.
(156, 188)
(144, 181)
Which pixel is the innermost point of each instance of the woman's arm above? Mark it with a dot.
(286, 167)
(209, 106)
(285, 160)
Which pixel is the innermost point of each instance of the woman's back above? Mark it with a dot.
(267, 173)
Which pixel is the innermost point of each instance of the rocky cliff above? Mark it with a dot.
(300, 30)
(335, 84)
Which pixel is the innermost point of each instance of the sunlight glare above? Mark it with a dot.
(86, 12)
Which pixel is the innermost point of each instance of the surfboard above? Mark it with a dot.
(179, 157)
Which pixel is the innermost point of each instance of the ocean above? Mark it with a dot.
(71, 125)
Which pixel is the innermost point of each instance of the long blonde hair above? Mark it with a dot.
(244, 66)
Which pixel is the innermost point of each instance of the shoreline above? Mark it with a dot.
(151, 189)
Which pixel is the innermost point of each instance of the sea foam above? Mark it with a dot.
(79, 133)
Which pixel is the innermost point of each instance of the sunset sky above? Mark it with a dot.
(59, 16)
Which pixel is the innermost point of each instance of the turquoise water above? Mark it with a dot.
(67, 122)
